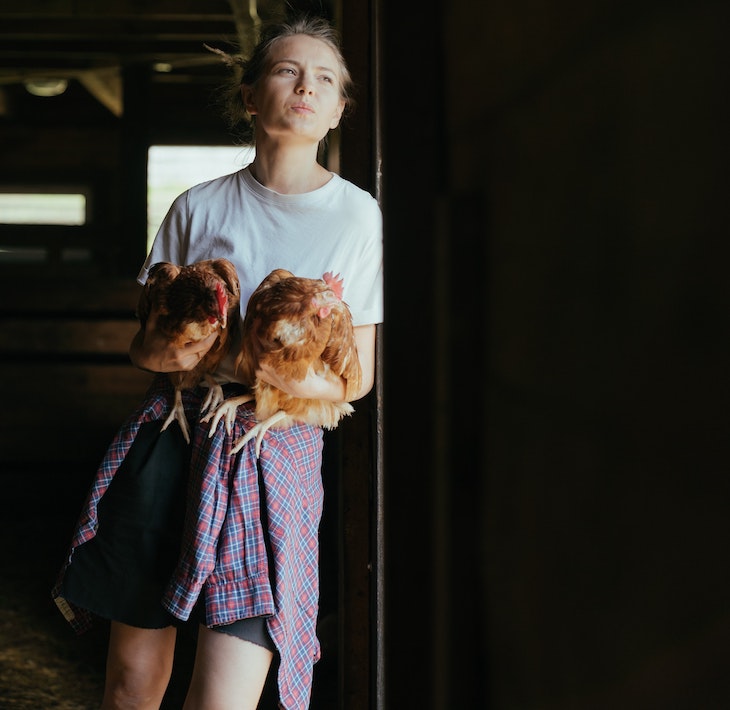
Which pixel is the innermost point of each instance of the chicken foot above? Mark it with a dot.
(178, 413)
(258, 431)
(214, 398)
(226, 411)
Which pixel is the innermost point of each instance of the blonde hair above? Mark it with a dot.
(249, 70)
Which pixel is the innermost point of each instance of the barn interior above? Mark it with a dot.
(530, 510)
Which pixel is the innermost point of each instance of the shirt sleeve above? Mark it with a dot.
(365, 296)
(172, 239)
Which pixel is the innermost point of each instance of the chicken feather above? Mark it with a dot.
(296, 326)
(192, 302)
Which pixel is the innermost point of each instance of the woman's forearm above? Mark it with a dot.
(365, 339)
(327, 386)
(139, 356)
(153, 352)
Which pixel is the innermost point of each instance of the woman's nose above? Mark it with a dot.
(305, 85)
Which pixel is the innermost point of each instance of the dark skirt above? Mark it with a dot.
(121, 573)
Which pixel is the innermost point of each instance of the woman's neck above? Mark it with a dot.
(288, 171)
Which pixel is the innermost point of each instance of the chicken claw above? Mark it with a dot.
(178, 413)
(258, 431)
(214, 397)
(227, 411)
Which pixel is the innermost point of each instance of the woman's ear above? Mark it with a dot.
(248, 99)
(337, 115)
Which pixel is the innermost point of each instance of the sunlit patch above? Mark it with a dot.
(290, 332)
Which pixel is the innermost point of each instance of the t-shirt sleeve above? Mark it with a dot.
(365, 297)
(171, 241)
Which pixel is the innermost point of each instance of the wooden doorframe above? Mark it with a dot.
(362, 554)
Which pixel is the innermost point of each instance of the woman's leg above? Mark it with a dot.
(229, 673)
(138, 667)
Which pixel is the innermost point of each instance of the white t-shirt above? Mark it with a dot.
(337, 228)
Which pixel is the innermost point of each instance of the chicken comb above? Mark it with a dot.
(335, 282)
(222, 298)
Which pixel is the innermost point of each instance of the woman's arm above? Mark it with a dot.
(149, 350)
(318, 387)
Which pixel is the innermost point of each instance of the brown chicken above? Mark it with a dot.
(295, 325)
(193, 302)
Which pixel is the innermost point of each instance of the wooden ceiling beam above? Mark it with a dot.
(70, 32)
(121, 9)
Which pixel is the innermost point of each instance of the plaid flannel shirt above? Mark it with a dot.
(224, 555)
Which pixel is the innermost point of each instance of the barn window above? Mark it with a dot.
(46, 207)
(42, 222)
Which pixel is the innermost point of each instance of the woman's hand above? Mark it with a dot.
(152, 351)
(329, 386)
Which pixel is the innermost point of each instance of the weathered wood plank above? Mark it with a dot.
(54, 381)
(65, 412)
(60, 335)
(19, 296)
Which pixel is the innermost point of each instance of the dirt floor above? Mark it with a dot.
(44, 665)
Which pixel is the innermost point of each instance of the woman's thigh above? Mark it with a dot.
(229, 673)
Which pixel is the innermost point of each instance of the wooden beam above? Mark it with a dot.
(105, 85)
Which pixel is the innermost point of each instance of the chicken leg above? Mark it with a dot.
(178, 413)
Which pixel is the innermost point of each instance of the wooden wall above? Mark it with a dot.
(66, 325)
(556, 396)
(68, 381)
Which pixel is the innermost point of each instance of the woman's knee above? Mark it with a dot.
(134, 686)
(139, 666)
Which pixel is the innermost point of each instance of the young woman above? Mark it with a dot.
(247, 565)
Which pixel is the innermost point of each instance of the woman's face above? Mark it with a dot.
(299, 93)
